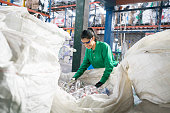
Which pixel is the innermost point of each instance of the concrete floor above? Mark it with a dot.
(147, 107)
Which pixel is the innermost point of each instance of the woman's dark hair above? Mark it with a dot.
(89, 33)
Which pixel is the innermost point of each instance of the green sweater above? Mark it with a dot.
(101, 57)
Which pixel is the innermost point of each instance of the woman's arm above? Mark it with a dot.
(108, 61)
(83, 66)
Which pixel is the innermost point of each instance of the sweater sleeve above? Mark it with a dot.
(108, 61)
(83, 66)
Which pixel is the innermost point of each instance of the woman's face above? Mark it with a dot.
(88, 43)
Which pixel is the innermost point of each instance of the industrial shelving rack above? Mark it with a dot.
(117, 30)
(72, 6)
(120, 30)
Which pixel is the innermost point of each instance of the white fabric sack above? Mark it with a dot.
(29, 67)
(148, 67)
(119, 101)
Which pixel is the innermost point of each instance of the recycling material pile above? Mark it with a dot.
(80, 89)
(30, 71)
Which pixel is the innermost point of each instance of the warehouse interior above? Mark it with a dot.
(41, 51)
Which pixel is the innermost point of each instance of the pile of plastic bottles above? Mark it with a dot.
(80, 89)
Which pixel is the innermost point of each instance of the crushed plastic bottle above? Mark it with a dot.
(104, 91)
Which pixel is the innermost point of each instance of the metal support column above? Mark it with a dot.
(89, 16)
(108, 35)
(49, 20)
(65, 19)
(157, 18)
(94, 19)
(71, 23)
(24, 3)
(160, 16)
(53, 16)
(81, 23)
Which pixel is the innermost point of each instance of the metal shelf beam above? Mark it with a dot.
(73, 5)
(141, 8)
(130, 27)
(137, 31)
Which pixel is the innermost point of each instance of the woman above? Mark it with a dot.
(99, 54)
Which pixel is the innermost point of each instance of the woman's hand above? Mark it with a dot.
(99, 84)
(72, 81)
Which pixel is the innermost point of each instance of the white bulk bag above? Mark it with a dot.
(118, 84)
(29, 67)
(148, 67)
